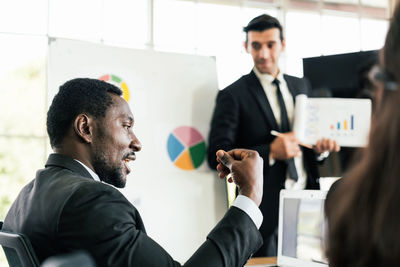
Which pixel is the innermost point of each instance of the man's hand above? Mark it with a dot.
(285, 146)
(246, 167)
(326, 145)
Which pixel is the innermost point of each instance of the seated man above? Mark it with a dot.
(67, 208)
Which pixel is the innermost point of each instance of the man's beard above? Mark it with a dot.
(108, 174)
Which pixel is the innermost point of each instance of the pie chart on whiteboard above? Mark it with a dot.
(186, 148)
(117, 81)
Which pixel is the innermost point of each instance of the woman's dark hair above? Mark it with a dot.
(363, 212)
(81, 95)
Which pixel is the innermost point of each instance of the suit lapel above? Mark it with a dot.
(291, 86)
(258, 93)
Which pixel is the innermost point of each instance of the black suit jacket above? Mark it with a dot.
(243, 118)
(63, 209)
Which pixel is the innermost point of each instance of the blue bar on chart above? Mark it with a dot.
(345, 125)
(352, 122)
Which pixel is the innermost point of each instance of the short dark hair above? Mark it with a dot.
(262, 23)
(81, 95)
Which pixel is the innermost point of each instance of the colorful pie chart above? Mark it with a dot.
(117, 81)
(186, 148)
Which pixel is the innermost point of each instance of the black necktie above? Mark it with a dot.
(285, 127)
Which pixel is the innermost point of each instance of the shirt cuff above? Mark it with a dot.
(249, 206)
(271, 160)
(323, 156)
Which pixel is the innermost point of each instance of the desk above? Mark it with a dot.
(260, 261)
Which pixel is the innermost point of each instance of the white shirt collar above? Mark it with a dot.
(268, 77)
(92, 173)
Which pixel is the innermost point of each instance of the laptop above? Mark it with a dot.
(302, 225)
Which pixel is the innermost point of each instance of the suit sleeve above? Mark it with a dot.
(102, 221)
(225, 126)
(307, 86)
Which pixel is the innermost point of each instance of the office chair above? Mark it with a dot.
(18, 249)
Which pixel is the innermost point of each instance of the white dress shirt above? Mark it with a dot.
(92, 173)
(249, 206)
(270, 90)
(242, 202)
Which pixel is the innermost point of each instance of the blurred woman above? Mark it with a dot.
(363, 211)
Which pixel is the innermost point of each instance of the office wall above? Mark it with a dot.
(172, 98)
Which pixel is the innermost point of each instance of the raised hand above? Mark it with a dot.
(246, 169)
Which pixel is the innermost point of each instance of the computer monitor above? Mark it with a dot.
(301, 232)
(338, 75)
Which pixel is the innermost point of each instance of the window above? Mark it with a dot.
(373, 33)
(303, 39)
(375, 3)
(23, 142)
(22, 86)
(76, 19)
(223, 38)
(216, 33)
(341, 5)
(174, 26)
(31, 19)
(126, 23)
(340, 34)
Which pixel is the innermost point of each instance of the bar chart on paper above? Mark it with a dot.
(345, 125)
(345, 120)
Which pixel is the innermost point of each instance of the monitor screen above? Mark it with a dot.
(338, 75)
(303, 229)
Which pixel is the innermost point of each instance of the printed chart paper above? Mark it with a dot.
(345, 120)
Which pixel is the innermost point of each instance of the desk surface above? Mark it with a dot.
(260, 261)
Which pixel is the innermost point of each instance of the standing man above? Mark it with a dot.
(71, 205)
(249, 109)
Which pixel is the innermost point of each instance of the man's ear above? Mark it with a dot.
(245, 46)
(83, 127)
(283, 45)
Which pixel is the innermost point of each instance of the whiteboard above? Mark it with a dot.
(169, 95)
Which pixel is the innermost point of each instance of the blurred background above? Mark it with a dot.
(212, 28)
